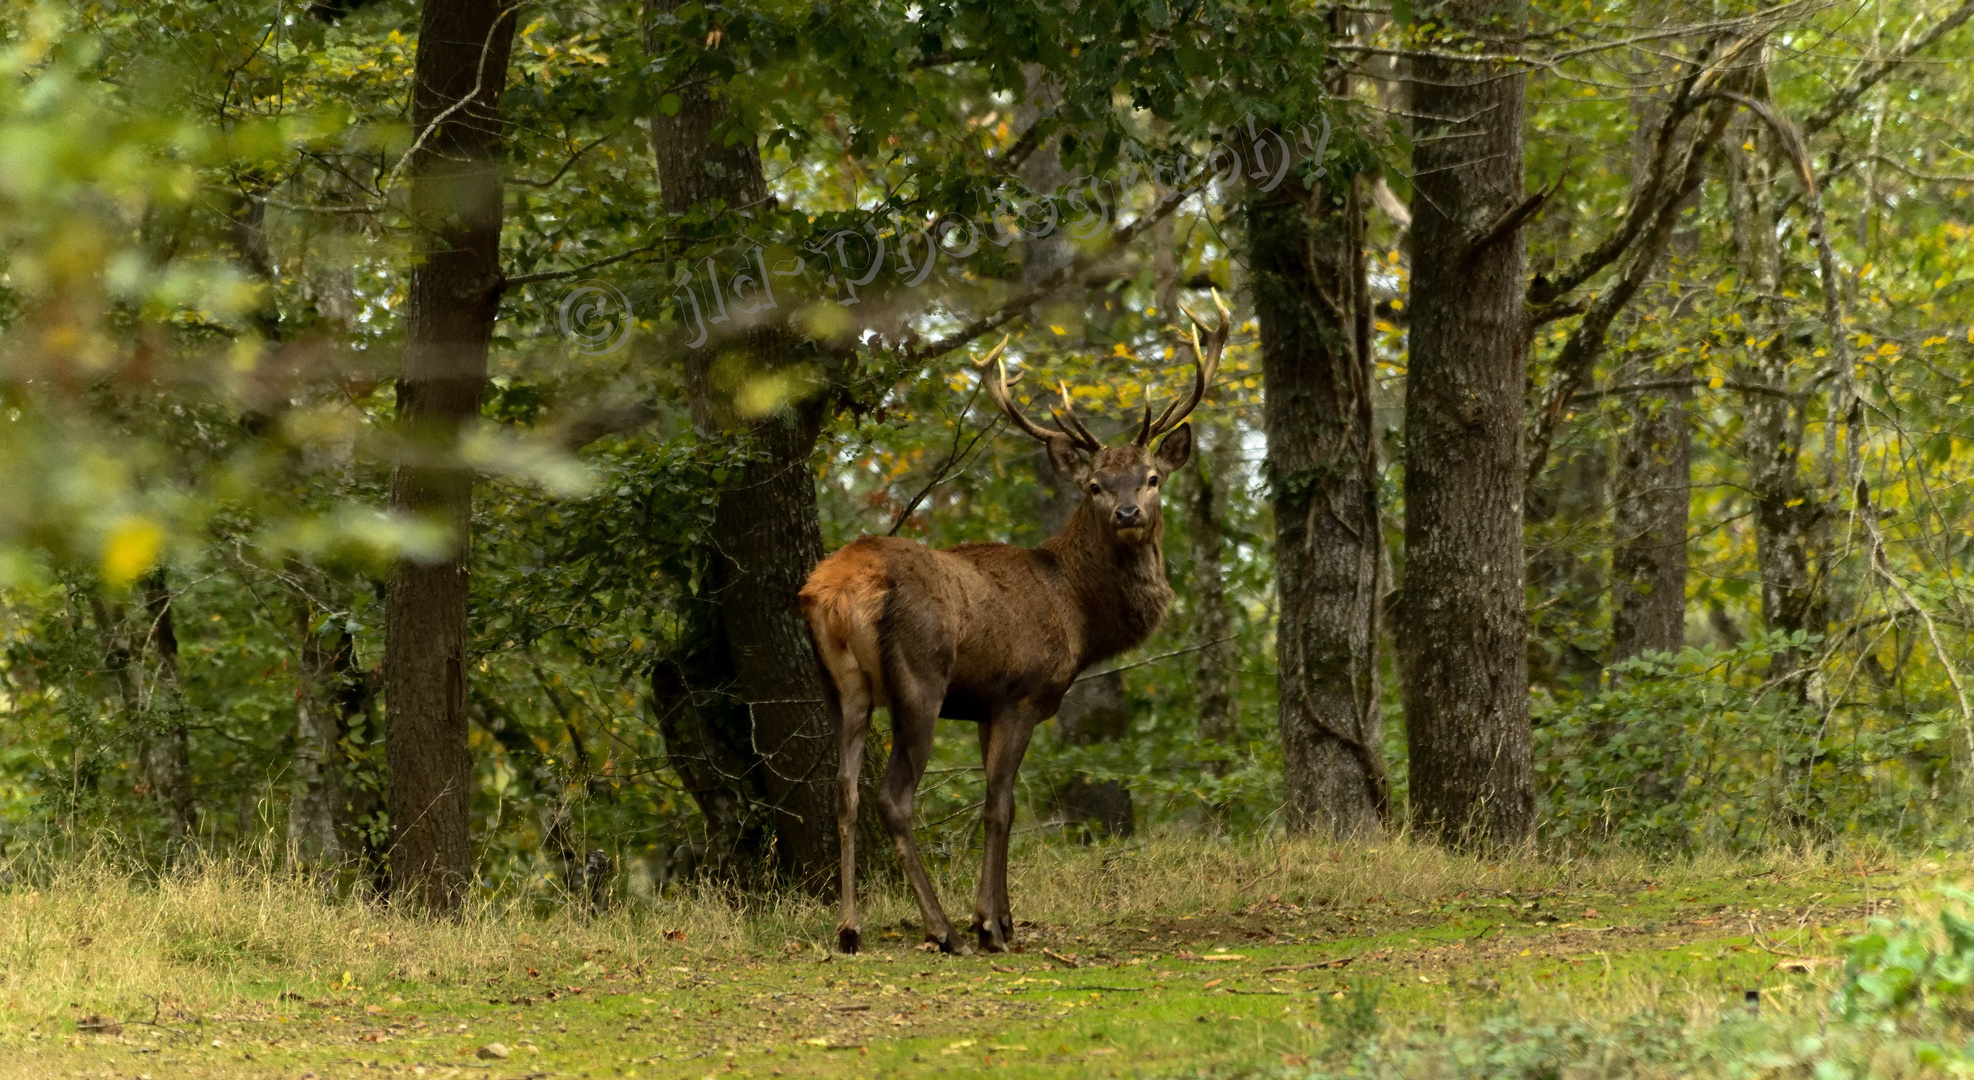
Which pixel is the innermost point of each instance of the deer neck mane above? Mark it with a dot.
(1119, 589)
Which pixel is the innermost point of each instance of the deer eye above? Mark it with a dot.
(1096, 489)
(1152, 480)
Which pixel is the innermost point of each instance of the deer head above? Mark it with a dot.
(1121, 483)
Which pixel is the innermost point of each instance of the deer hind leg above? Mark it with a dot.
(846, 647)
(1003, 743)
(854, 698)
(914, 711)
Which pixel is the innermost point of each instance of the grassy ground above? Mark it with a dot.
(1174, 957)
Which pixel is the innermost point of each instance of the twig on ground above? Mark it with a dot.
(1336, 963)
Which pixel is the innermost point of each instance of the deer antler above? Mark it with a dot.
(996, 383)
(1206, 361)
(1068, 421)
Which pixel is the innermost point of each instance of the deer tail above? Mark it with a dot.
(842, 602)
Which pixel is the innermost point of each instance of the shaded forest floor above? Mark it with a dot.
(1171, 958)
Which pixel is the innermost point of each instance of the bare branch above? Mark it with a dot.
(1015, 307)
(1870, 74)
(1577, 361)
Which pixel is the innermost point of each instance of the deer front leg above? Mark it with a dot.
(1003, 742)
(911, 748)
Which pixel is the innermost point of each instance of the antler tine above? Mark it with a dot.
(1073, 424)
(1206, 362)
(997, 388)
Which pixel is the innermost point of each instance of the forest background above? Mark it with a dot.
(1588, 464)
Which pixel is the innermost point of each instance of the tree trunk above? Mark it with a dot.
(1313, 304)
(332, 699)
(1787, 511)
(1651, 491)
(752, 688)
(455, 291)
(1651, 478)
(1214, 466)
(1463, 622)
(167, 741)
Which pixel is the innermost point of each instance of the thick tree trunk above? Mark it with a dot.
(754, 730)
(1651, 491)
(1310, 294)
(1463, 622)
(455, 291)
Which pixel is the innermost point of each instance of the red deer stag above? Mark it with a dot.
(994, 633)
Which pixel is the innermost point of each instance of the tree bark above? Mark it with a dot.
(1463, 623)
(1651, 492)
(463, 48)
(755, 738)
(1313, 304)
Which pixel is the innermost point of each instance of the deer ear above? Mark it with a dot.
(1070, 463)
(1175, 450)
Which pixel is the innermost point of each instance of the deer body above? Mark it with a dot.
(990, 633)
(1008, 621)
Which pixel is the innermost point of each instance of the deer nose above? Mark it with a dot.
(1128, 516)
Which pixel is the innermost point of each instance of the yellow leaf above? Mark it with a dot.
(1714, 383)
(1059, 331)
(131, 549)
(1937, 339)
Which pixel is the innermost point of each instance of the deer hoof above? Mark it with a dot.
(848, 940)
(991, 939)
(947, 944)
